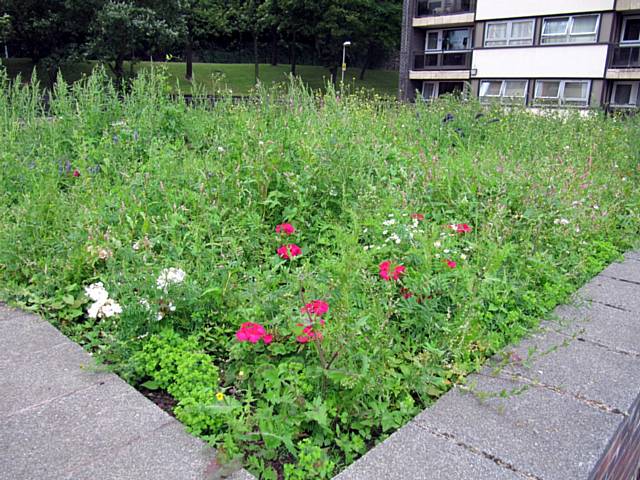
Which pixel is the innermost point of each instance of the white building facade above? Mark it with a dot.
(569, 53)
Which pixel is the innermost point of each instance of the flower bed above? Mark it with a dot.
(303, 275)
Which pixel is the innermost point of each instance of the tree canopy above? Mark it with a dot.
(52, 32)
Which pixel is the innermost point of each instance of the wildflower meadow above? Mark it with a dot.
(302, 272)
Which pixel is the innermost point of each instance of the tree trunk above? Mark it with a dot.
(274, 46)
(188, 54)
(256, 59)
(293, 50)
(367, 61)
(118, 69)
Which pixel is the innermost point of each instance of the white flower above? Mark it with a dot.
(94, 309)
(446, 250)
(561, 221)
(261, 143)
(170, 276)
(463, 256)
(145, 303)
(172, 307)
(111, 308)
(221, 149)
(136, 246)
(437, 244)
(596, 207)
(97, 292)
(388, 223)
(104, 254)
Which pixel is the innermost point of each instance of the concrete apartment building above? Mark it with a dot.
(579, 53)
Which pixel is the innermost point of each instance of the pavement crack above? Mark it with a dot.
(478, 451)
(632, 282)
(611, 306)
(603, 407)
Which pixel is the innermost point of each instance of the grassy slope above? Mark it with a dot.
(238, 77)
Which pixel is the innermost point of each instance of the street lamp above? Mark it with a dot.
(344, 58)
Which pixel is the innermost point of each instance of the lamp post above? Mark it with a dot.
(344, 58)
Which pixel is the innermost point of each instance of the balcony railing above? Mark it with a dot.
(626, 56)
(428, 8)
(455, 60)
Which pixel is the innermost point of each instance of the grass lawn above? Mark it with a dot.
(302, 276)
(237, 77)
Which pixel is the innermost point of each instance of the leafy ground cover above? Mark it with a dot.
(302, 273)
(237, 77)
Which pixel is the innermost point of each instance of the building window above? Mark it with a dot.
(505, 91)
(432, 90)
(625, 94)
(630, 30)
(574, 29)
(509, 33)
(447, 40)
(563, 92)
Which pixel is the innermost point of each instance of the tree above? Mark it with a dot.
(50, 32)
(381, 29)
(5, 31)
(298, 21)
(245, 16)
(121, 30)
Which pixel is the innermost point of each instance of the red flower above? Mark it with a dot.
(253, 333)
(451, 264)
(417, 216)
(461, 228)
(406, 293)
(316, 307)
(398, 271)
(289, 251)
(308, 334)
(76, 173)
(285, 228)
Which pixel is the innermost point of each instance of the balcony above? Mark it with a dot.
(455, 60)
(432, 8)
(626, 57)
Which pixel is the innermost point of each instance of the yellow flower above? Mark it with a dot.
(220, 396)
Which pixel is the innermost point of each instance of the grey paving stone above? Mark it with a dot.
(7, 313)
(629, 270)
(623, 295)
(598, 323)
(413, 453)
(579, 368)
(632, 255)
(537, 431)
(22, 337)
(168, 452)
(53, 439)
(42, 376)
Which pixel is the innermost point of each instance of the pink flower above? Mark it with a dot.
(76, 173)
(461, 228)
(451, 264)
(398, 271)
(289, 251)
(285, 228)
(417, 216)
(308, 334)
(384, 270)
(253, 333)
(316, 307)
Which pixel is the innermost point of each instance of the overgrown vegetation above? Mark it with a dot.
(430, 236)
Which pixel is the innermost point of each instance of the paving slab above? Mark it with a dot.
(183, 457)
(45, 375)
(632, 255)
(26, 334)
(615, 293)
(7, 313)
(617, 329)
(414, 453)
(537, 432)
(629, 271)
(581, 369)
(47, 441)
